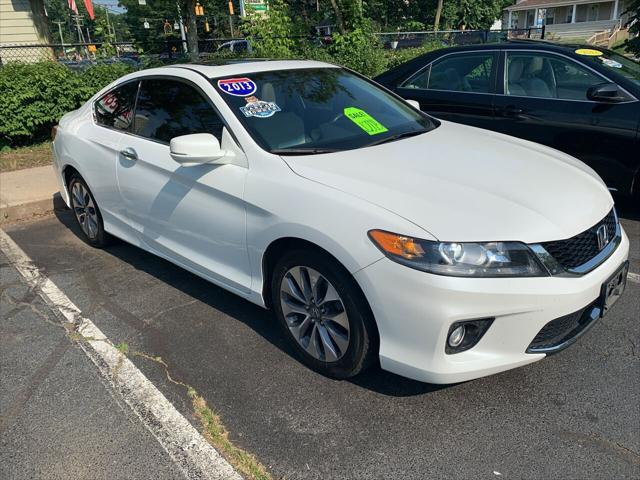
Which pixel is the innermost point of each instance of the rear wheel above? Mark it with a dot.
(323, 314)
(86, 213)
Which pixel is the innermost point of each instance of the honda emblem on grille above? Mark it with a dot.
(603, 237)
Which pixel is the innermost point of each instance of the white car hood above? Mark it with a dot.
(466, 184)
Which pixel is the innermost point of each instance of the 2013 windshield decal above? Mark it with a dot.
(239, 87)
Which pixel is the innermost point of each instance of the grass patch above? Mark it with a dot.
(216, 433)
(123, 348)
(213, 429)
(25, 157)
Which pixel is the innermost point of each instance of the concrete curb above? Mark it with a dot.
(26, 211)
(28, 193)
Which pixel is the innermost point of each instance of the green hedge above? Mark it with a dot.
(34, 96)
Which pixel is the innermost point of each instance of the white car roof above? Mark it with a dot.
(212, 71)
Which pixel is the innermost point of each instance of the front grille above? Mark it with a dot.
(575, 251)
(562, 330)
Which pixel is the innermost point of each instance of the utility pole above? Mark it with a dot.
(110, 28)
(182, 34)
(231, 18)
(59, 23)
(77, 18)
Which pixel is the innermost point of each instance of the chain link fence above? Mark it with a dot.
(451, 38)
(78, 55)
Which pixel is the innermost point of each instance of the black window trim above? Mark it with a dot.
(506, 52)
(165, 76)
(494, 70)
(115, 87)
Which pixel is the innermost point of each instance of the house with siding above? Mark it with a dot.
(567, 19)
(23, 22)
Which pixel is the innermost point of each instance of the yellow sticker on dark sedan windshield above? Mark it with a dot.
(365, 121)
(588, 52)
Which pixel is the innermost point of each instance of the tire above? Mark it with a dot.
(87, 215)
(321, 320)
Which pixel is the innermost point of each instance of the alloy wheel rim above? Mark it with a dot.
(85, 210)
(315, 314)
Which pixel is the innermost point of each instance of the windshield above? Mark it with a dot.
(619, 64)
(317, 110)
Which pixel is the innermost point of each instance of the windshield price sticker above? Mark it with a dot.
(588, 52)
(365, 121)
(611, 63)
(239, 87)
(259, 108)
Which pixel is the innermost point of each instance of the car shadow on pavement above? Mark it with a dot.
(258, 319)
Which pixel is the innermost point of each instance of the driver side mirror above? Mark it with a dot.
(606, 92)
(197, 149)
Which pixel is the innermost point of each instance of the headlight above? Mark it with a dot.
(488, 259)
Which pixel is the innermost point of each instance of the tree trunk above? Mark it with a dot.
(436, 24)
(192, 31)
(339, 20)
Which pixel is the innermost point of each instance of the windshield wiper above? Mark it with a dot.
(398, 136)
(302, 151)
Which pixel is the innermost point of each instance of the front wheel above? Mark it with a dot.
(323, 314)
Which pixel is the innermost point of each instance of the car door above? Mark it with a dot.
(112, 117)
(544, 99)
(194, 215)
(457, 87)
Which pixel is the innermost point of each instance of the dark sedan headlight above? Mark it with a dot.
(460, 259)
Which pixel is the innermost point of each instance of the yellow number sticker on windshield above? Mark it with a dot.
(588, 52)
(365, 121)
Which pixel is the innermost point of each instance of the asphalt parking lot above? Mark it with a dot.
(575, 415)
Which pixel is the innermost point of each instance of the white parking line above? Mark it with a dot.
(186, 446)
(633, 277)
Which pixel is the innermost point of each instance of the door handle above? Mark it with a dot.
(512, 111)
(129, 154)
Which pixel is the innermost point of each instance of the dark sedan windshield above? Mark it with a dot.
(619, 64)
(317, 110)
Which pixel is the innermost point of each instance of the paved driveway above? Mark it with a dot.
(573, 415)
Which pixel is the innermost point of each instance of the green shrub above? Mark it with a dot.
(35, 96)
(98, 76)
(359, 50)
(272, 33)
(398, 57)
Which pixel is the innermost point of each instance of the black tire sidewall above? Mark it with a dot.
(102, 238)
(361, 347)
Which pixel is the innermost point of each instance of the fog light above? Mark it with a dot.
(456, 337)
(465, 334)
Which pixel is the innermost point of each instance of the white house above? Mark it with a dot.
(566, 18)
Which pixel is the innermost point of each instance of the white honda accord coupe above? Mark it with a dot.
(374, 232)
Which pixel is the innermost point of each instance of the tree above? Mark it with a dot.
(436, 23)
(192, 31)
(633, 45)
(272, 33)
(472, 13)
(338, 13)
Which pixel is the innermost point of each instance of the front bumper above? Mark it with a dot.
(414, 311)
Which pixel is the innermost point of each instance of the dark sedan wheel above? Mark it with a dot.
(323, 314)
(86, 213)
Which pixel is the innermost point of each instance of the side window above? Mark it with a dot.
(572, 79)
(115, 109)
(547, 76)
(459, 73)
(421, 80)
(168, 108)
